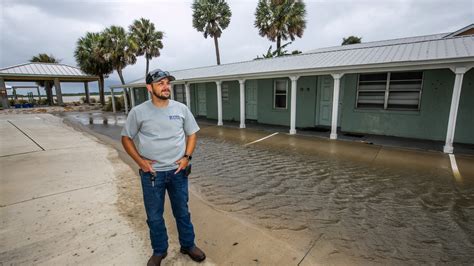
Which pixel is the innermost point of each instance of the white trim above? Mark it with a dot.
(132, 95)
(264, 138)
(125, 100)
(286, 94)
(187, 87)
(294, 88)
(219, 102)
(114, 110)
(453, 112)
(242, 102)
(353, 69)
(335, 104)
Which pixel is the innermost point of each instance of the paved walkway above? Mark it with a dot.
(67, 198)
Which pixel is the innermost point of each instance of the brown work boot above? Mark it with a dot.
(156, 260)
(195, 253)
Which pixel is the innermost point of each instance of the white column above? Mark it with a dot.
(453, 112)
(335, 105)
(242, 103)
(294, 80)
(113, 100)
(125, 100)
(219, 103)
(132, 96)
(187, 87)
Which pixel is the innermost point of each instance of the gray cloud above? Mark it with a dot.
(29, 27)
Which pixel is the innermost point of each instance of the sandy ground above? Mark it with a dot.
(69, 198)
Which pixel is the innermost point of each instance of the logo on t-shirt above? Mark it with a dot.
(174, 117)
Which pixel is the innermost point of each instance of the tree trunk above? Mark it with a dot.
(147, 64)
(49, 92)
(278, 43)
(119, 72)
(101, 90)
(216, 43)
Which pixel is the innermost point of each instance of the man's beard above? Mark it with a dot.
(161, 97)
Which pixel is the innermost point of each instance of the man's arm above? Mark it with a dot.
(130, 148)
(190, 146)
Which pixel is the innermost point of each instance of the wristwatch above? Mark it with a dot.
(189, 157)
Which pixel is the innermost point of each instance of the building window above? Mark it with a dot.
(225, 93)
(180, 93)
(390, 91)
(280, 94)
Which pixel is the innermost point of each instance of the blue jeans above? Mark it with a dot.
(154, 199)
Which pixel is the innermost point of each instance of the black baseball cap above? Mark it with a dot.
(157, 75)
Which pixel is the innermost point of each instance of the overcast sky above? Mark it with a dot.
(30, 27)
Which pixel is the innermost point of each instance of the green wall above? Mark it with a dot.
(306, 102)
(266, 114)
(211, 100)
(231, 108)
(428, 123)
(464, 132)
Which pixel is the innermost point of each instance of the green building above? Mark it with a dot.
(418, 87)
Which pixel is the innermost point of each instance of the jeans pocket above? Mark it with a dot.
(187, 171)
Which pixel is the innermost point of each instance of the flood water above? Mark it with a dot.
(369, 214)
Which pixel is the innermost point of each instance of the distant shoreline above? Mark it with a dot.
(67, 97)
(64, 94)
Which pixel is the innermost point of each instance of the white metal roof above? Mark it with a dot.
(435, 51)
(380, 43)
(43, 69)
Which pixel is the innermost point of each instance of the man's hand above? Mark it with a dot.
(145, 165)
(183, 162)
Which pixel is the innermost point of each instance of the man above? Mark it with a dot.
(155, 137)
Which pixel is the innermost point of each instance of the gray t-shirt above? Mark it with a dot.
(159, 133)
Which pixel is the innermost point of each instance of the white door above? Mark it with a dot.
(251, 100)
(325, 87)
(324, 109)
(202, 109)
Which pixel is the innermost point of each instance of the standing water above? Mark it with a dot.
(369, 214)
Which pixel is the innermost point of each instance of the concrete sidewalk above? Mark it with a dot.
(68, 198)
(58, 197)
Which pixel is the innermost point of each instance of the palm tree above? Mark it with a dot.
(120, 49)
(351, 40)
(48, 85)
(147, 39)
(277, 52)
(280, 19)
(91, 58)
(211, 17)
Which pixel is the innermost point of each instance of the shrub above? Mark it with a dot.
(119, 104)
